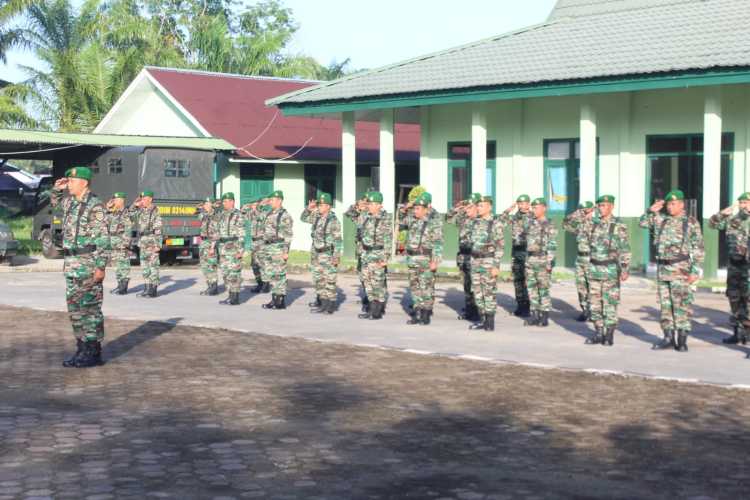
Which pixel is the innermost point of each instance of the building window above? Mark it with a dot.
(176, 168)
(94, 168)
(114, 166)
(459, 171)
(319, 179)
(562, 166)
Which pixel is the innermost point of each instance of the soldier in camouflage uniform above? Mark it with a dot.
(541, 244)
(377, 238)
(120, 233)
(256, 212)
(462, 215)
(325, 252)
(424, 250)
(518, 216)
(209, 262)
(230, 226)
(574, 223)
(357, 213)
(487, 247)
(85, 246)
(679, 258)
(148, 226)
(609, 244)
(277, 237)
(737, 229)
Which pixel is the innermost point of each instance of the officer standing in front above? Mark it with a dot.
(325, 252)
(120, 233)
(277, 238)
(85, 246)
(487, 247)
(230, 248)
(462, 215)
(574, 223)
(209, 263)
(518, 216)
(357, 214)
(377, 238)
(679, 258)
(148, 225)
(541, 244)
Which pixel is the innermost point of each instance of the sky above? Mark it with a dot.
(374, 33)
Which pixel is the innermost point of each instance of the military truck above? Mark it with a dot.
(179, 178)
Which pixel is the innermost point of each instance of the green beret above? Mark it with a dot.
(674, 195)
(475, 198)
(539, 201)
(744, 197)
(147, 194)
(227, 196)
(325, 198)
(606, 198)
(487, 199)
(375, 197)
(422, 200)
(277, 194)
(120, 194)
(522, 198)
(79, 173)
(209, 199)
(586, 204)
(427, 196)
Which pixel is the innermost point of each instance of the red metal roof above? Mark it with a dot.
(232, 107)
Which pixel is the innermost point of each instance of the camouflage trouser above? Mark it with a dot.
(538, 279)
(360, 274)
(149, 254)
(737, 293)
(323, 274)
(582, 282)
(120, 258)
(484, 285)
(421, 283)
(230, 264)
(676, 300)
(84, 299)
(518, 268)
(209, 263)
(464, 265)
(374, 278)
(273, 268)
(255, 263)
(604, 297)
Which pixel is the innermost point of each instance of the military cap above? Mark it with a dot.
(586, 204)
(674, 195)
(606, 198)
(487, 199)
(209, 199)
(120, 194)
(375, 197)
(475, 198)
(522, 198)
(744, 197)
(539, 201)
(325, 198)
(227, 196)
(427, 196)
(79, 173)
(422, 200)
(277, 194)
(147, 194)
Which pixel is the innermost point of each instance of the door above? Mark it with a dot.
(255, 180)
(459, 171)
(319, 179)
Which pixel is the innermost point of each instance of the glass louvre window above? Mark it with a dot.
(176, 168)
(114, 166)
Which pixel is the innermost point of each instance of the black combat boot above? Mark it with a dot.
(597, 338)
(266, 287)
(258, 288)
(152, 292)
(426, 316)
(489, 323)
(609, 337)
(214, 289)
(667, 342)
(735, 338)
(473, 313)
(543, 318)
(376, 310)
(271, 303)
(234, 298)
(584, 316)
(122, 287)
(280, 302)
(321, 308)
(71, 361)
(519, 309)
(146, 291)
(416, 317)
(533, 319)
(331, 307)
(681, 341)
(91, 355)
(365, 303)
(479, 324)
(209, 287)
(315, 303)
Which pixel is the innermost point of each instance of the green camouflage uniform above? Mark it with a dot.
(120, 233)
(541, 244)
(231, 231)
(679, 254)
(424, 244)
(574, 223)
(86, 245)
(277, 237)
(377, 238)
(463, 257)
(358, 218)
(519, 224)
(609, 244)
(737, 229)
(325, 251)
(148, 226)
(487, 247)
(257, 218)
(207, 251)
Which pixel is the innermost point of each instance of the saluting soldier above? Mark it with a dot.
(230, 248)
(256, 212)
(85, 246)
(679, 258)
(325, 252)
(424, 250)
(277, 238)
(737, 229)
(462, 215)
(609, 244)
(574, 223)
(120, 233)
(541, 245)
(148, 225)
(208, 215)
(357, 213)
(487, 247)
(518, 216)
(377, 238)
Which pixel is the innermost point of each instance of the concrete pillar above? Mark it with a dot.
(387, 161)
(425, 179)
(588, 153)
(521, 185)
(621, 206)
(746, 184)
(712, 125)
(479, 151)
(348, 160)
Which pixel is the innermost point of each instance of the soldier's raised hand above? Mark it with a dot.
(728, 210)
(311, 205)
(657, 206)
(511, 207)
(61, 184)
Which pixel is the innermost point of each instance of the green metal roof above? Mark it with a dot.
(50, 139)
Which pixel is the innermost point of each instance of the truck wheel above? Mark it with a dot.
(49, 250)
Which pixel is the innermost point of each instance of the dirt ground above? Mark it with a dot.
(184, 412)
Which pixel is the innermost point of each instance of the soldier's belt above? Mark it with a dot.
(271, 242)
(419, 251)
(584, 254)
(258, 239)
(669, 262)
(74, 252)
(597, 262)
(482, 255)
(145, 233)
(368, 248)
(519, 248)
(328, 248)
(538, 254)
(227, 240)
(741, 261)
(464, 250)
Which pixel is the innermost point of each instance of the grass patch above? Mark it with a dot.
(21, 227)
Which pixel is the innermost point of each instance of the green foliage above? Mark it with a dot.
(21, 227)
(415, 192)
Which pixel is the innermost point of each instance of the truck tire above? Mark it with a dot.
(49, 250)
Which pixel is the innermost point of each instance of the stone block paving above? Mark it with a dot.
(194, 413)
